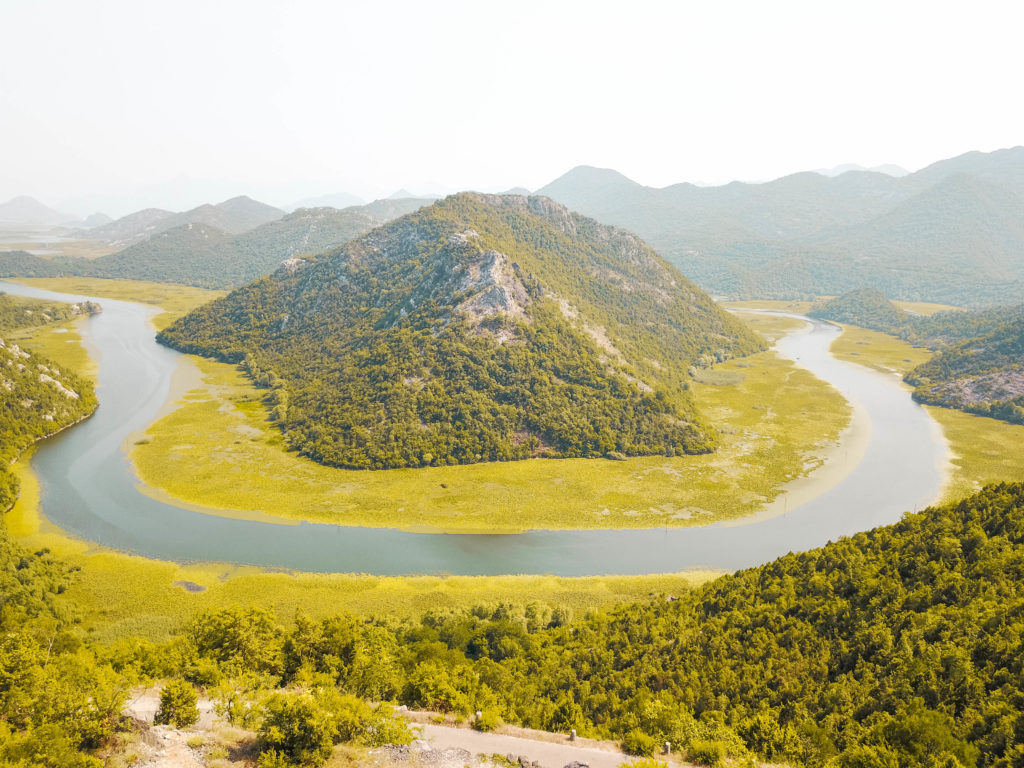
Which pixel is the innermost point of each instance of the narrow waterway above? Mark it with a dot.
(88, 487)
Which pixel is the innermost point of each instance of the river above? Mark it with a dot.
(89, 489)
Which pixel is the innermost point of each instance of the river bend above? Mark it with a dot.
(88, 487)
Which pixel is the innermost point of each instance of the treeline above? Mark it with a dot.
(979, 362)
(37, 398)
(441, 339)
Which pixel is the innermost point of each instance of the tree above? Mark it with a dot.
(178, 701)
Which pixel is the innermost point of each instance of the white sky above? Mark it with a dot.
(176, 102)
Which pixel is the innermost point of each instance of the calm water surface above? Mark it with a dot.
(88, 487)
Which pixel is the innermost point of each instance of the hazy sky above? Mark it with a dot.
(137, 101)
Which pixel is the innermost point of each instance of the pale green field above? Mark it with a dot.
(778, 305)
(219, 450)
(174, 300)
(878, 350)
(924, 307)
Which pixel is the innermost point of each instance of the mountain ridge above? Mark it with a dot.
(807, 234)
(480, 328)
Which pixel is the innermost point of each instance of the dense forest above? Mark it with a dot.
(482, 328)
(37, 398)
(900, 647)
(979, 363)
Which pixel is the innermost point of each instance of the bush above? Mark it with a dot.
(710, 753)
(638, 743)
(646, 762)
(295, 729)
(178, 701)
(488, 721)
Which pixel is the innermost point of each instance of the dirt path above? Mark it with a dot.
(164, 746)
(553, 751)
(170, 750)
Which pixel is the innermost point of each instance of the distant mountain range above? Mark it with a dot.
(196, 252)
(952, 232)
(233, 216)
(28, 211)
(480, 328)
(336, 200)
(888, 169)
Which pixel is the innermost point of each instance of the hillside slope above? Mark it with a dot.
(984, 375)
(480, 328)
(37, 398)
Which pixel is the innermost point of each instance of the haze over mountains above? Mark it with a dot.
(211, 246)
(480, 328)
(28, 211)
(950, 232)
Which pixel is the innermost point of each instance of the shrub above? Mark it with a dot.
(295, 729)
(488, 721)
(638, 743)
(178, 702)
(710, 753)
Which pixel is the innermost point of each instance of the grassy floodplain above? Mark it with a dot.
(217, 449)
(984, 450)
(122, 595)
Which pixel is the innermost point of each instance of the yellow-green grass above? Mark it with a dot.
(60, 342)
(926, 308)
(983, 450)
(85, 249)
(122, 595)
(218, 450)
(877, 350)
(173, 300)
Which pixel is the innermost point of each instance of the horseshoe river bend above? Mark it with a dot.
(89, 489)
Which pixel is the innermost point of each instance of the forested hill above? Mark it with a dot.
(481, 328)
(37, 398)
(866, 307)
(984, 375)
(195, 253)
(951, 232)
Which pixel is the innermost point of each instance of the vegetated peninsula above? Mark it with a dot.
(37, 398)
(984, 375)
(979, 364)
(482, 328)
